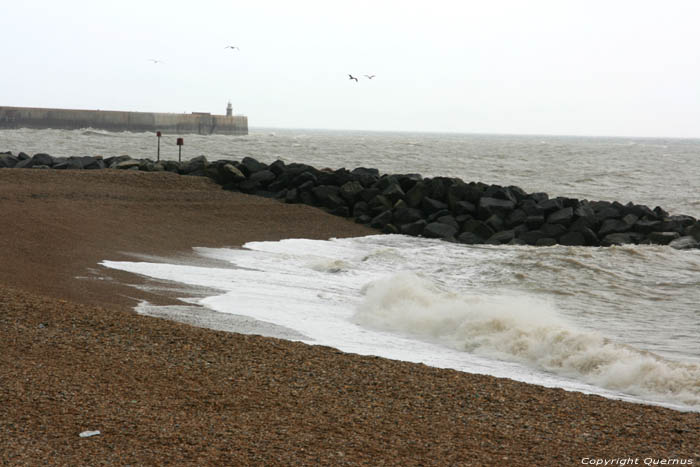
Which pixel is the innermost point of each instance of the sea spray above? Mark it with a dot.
(522, 329)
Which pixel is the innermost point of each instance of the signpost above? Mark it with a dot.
(158, 135)
(180, 142)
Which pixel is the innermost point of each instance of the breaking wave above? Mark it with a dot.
(522, 329)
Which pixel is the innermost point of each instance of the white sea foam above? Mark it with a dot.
(508, 312)
(523, 329)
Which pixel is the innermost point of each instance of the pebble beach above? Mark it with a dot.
(76, 357)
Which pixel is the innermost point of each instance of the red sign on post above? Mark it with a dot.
(158, 134)
(180, 141)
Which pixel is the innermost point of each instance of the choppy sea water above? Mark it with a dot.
(623, 322)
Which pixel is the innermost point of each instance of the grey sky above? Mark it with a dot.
(544, 67)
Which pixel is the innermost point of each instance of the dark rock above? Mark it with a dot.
(264, 177)
(552, 230)
(302, 178)
(415, 196)
(630, 219)
(408, 181)
(677, 223)
(502, 237)
(228, 173)
(92, 163)
(414, 228)
(539, 197)
(495, 222)
(660, 212)
(490, 206)
(663, 238)
(611, 226)
(252, 165)
(531, 237)
(23, 156)
(469, 238)
(42, 159)
(248, 186)
(24, 164)
(436, 188)
(607, 213)
(573, 239)
(478, 228)
(464, 207)
(437, 214)
(550, 206)
(390, 229)
(694, 231)
(368, 194)
(545, 241)
(515, 218)
(590, 236)
(366, 177)
(381, 220)
(385, 181)
(379, 204)
(439, 230)
(449, 220)
(363, 219)
(531, 207)
(124, 165)
(407, 215)
(498, 192)
(8, 161)
(292, 196)
(617, 239)
(585, 210)
(327, 195)
(278, 167)
(641, 211)
(430, 205)
(685, 243)
(534, 222)
(350, 191)
(197, 164)
(360, 208)
(393, 192)
(563, 216)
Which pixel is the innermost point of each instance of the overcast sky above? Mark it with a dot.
(626, 68)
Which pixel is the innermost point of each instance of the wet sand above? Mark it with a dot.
(76, 357)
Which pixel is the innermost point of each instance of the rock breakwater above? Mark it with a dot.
(438, 207)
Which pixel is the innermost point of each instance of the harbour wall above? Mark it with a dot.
(114, 120)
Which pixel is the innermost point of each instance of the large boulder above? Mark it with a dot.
(490, 206)
(563, 216)
(439, 230)
(42, 159)
(685, 243)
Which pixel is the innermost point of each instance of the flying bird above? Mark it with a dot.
(370, 76)
(155, 61)
(352, 77)
(232, 47)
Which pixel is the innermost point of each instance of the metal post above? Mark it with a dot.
(180, 142)
(158, 135)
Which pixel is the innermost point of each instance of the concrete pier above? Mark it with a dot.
(114, 120)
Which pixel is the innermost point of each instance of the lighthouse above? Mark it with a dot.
(229, 110)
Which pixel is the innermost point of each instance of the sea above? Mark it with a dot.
(621, 322)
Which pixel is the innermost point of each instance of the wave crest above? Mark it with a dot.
(523, 329)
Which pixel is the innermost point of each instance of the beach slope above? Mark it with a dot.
(76, 358)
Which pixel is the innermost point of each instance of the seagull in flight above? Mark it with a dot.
(155, 61)
(370, 76)
(232, 47)
(352, 77)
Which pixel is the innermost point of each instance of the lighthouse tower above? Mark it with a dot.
(229, 110)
